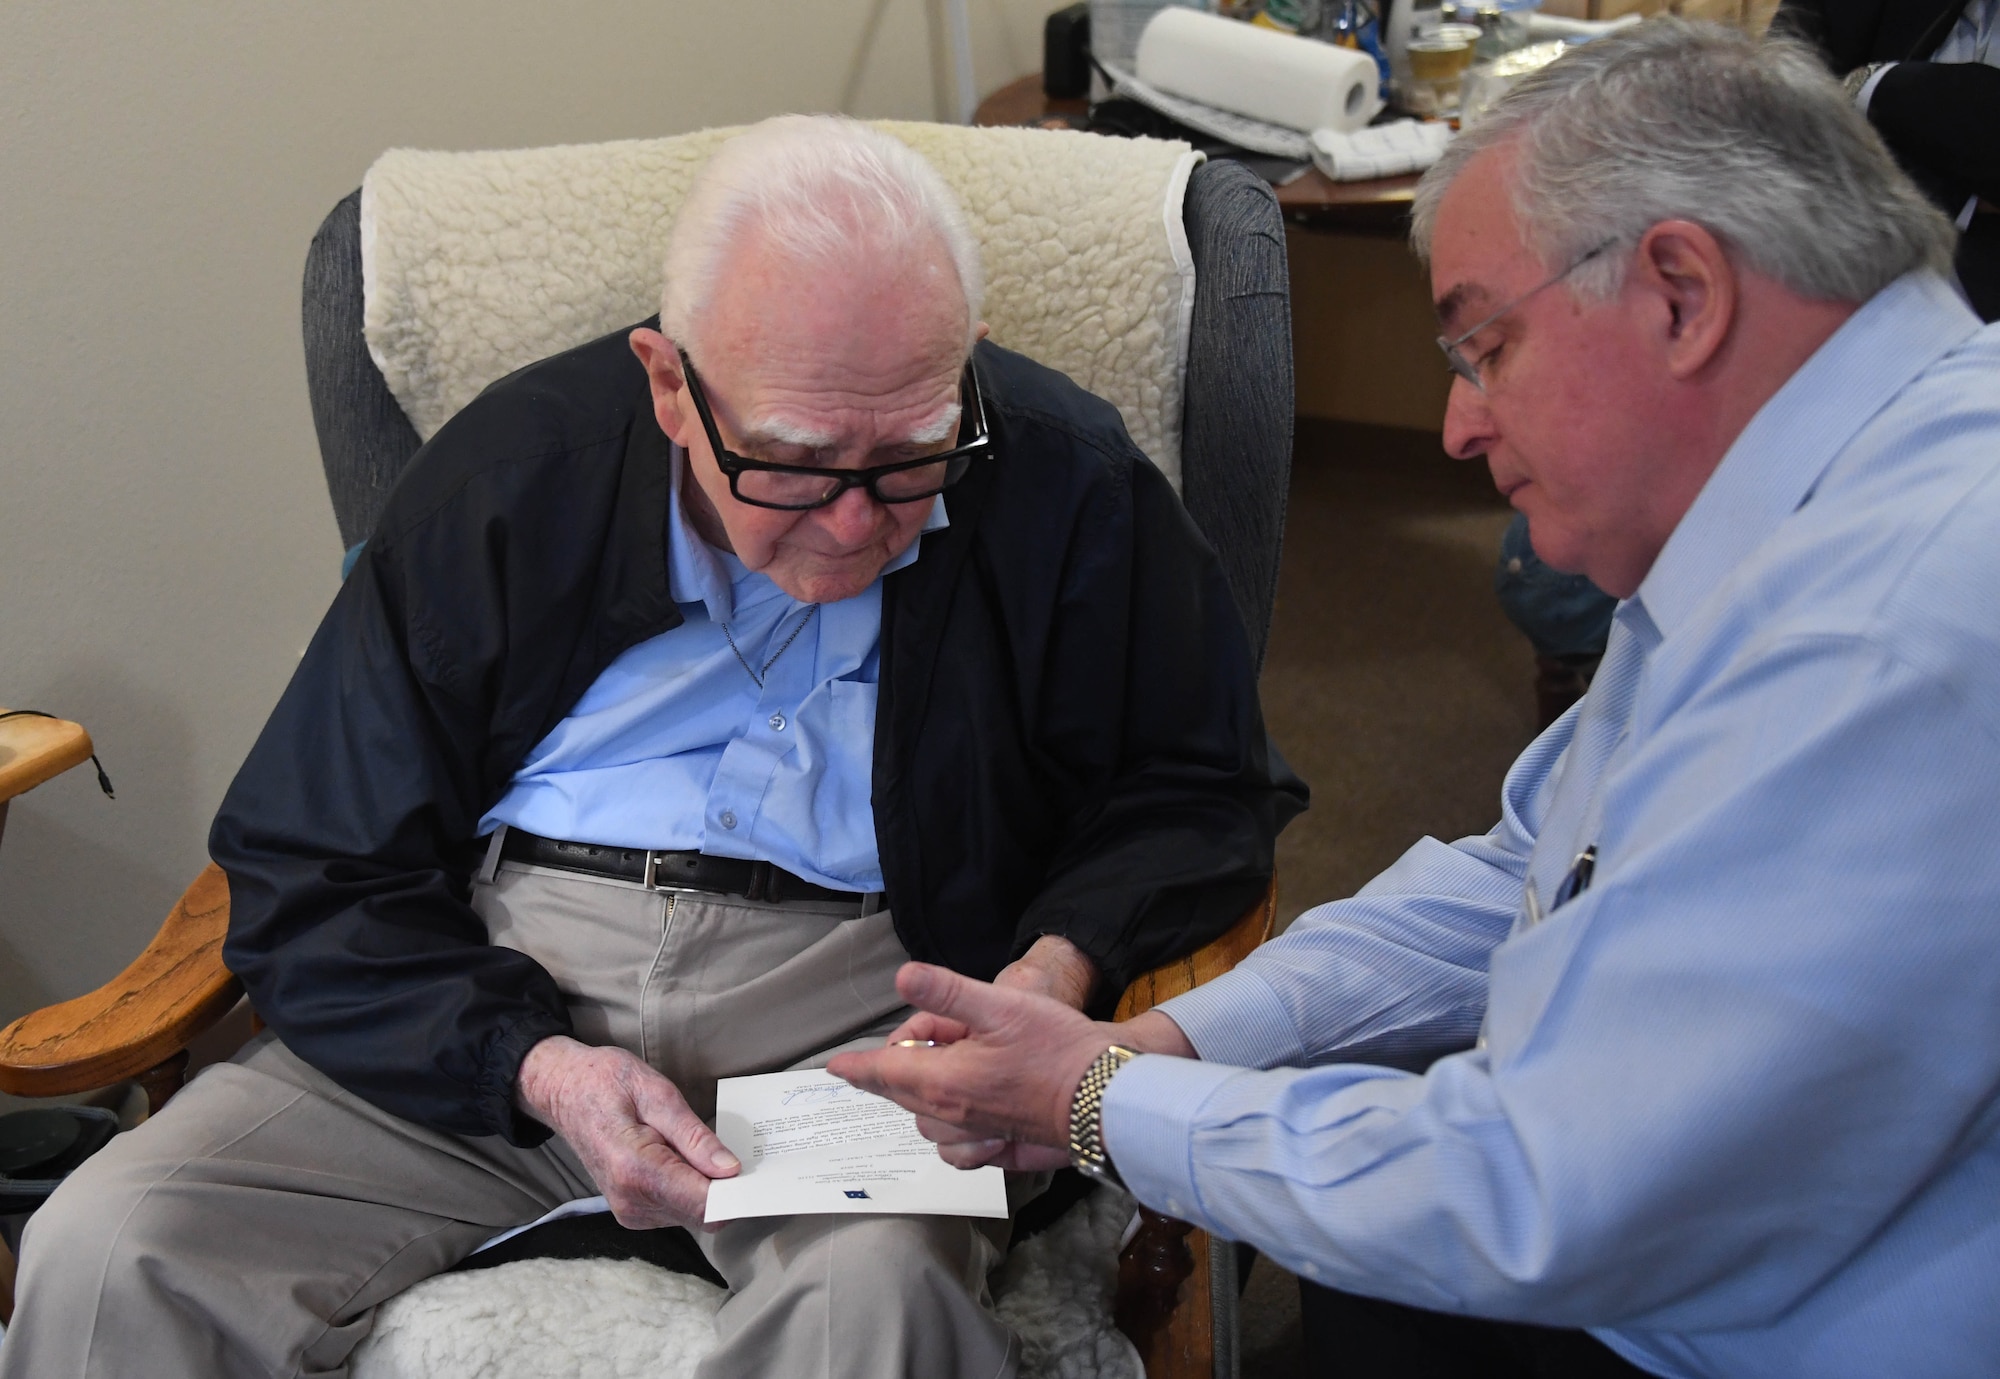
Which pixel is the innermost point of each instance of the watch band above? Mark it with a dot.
(1086, 1117)
(1857, 82)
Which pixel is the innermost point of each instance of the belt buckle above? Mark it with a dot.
(651, 879)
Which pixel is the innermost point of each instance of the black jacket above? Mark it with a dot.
(1940, 119)
(1067, 739)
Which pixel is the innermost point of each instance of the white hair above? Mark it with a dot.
(1677, 120)
(787, 432)
(822, 189)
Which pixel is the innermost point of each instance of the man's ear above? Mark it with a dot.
(662, 362)
(1690, 274)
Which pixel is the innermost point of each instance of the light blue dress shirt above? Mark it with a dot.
(674, 746)
(1736, 1106)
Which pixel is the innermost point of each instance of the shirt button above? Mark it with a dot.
(777, 723)
(728, 819)
(1514, 566)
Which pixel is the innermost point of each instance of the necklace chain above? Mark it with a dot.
(756, 677)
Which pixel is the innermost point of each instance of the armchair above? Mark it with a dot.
(1222, 413)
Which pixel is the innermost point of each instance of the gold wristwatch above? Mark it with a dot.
(1086, 1117)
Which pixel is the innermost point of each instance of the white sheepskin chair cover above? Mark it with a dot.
(475, 264)
(622, 1319)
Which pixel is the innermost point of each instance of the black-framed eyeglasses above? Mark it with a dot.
(799, 488)
(1467, 369)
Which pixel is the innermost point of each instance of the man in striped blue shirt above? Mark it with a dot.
(1729, 964)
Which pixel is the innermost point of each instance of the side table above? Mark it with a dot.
(1312, 201)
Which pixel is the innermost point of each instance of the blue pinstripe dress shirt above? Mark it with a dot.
(1736, 1106)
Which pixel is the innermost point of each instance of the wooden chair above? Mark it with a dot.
(1177, 1295)
(137, 1026)
(1177, 1286)
(35, 748)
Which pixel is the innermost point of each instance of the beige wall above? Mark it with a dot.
(165, 541)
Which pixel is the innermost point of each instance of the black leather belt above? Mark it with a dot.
(684, 871)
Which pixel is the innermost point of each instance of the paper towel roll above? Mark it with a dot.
(1281, 78)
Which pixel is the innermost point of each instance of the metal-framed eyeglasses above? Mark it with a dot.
(1468, 369)
(800, 488)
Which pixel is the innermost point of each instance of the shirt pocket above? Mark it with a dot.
(850, 716)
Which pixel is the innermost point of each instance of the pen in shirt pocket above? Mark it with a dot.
(1577, 880)
(1574, 883)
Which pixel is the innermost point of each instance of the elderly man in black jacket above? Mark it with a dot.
(693, 681)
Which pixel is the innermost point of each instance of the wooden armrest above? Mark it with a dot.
(1182, 975)
(139, 1019)
(1173, 1326)
(33, 750)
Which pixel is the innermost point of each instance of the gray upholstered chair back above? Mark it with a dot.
(1236, 456)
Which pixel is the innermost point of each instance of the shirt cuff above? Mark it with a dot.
(1867, 91)
(1237, 1019)
(1148, 1118)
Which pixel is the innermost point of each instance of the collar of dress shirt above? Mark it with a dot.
(699, 573)
(1776, 463)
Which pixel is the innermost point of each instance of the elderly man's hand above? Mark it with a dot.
(641, 1143)
(1052, 967)
(999, 1088)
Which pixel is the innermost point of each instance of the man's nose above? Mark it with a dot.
(851, 518)
(1469, 429)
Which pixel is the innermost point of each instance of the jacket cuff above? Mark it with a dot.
(494, 1097)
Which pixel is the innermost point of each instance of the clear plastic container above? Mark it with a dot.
(1502, 24)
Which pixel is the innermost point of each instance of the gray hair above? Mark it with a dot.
(1677, 120)
(823, 188)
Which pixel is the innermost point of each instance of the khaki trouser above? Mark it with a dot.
(251, 1227)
